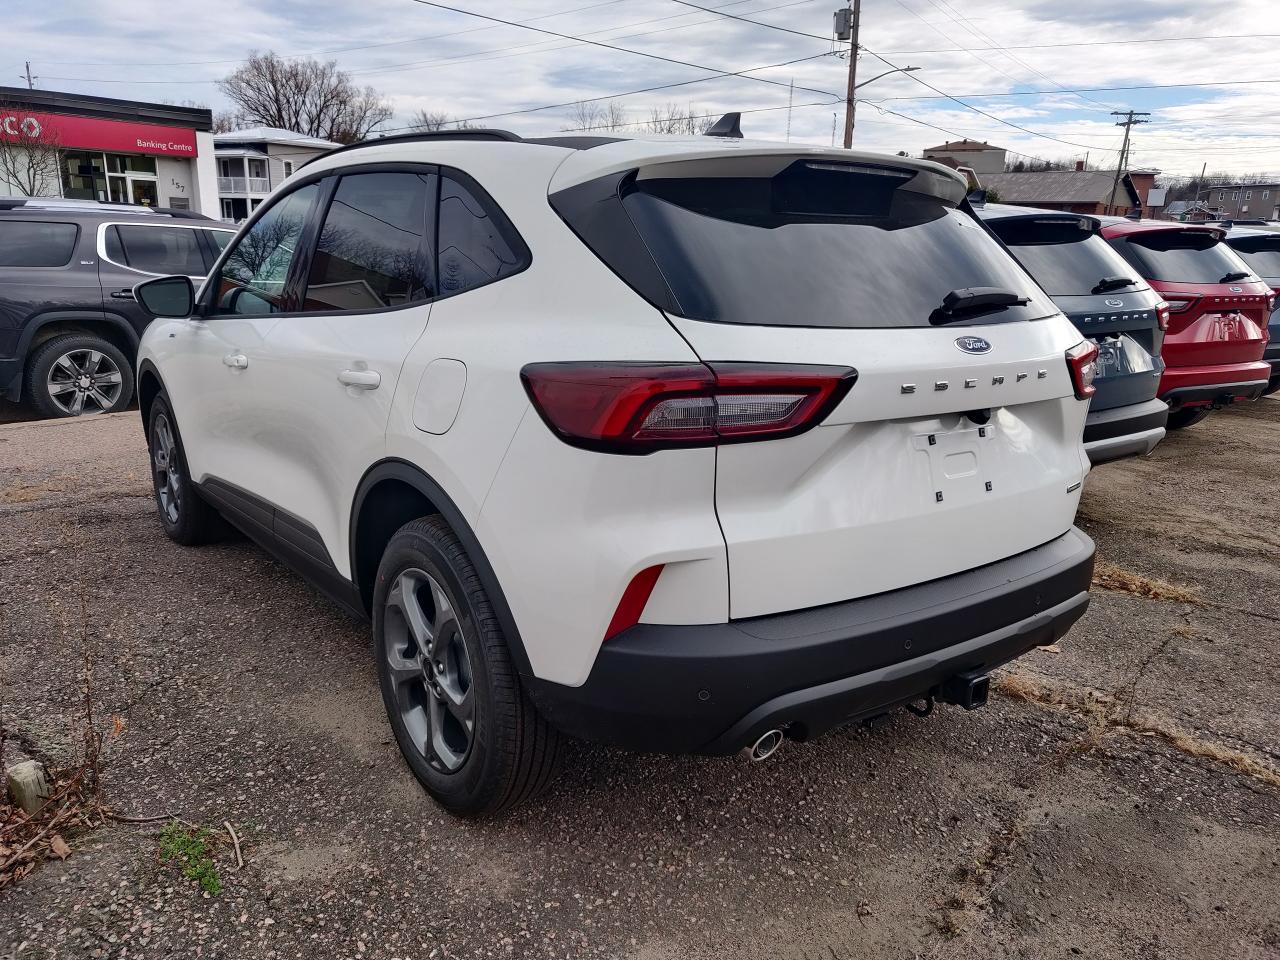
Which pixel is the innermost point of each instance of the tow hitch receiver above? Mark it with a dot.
(968, 690)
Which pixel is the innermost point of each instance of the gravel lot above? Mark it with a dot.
(1113, 801)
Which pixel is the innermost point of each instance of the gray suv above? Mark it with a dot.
(69, 324)
(1109, 303)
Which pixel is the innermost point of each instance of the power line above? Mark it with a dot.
(890, 63)
(630, 93)
(1041, 93)
(1087, 43)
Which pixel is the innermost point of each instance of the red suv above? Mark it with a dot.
(1218, 313)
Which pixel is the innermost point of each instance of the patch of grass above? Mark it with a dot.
(1107, 576)
(192, 851)
(1105, 712)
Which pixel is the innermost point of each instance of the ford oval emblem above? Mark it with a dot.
(1114, 303)
(1236, 289)
(973, 344)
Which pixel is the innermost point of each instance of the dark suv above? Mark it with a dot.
(1108, 302)
(69, 324)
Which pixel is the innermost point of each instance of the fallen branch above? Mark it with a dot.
(235, 842)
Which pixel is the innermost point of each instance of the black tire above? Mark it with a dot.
(1272, 387)
(1187, 417)
(512, 754)
(187, 518)
(64, 362)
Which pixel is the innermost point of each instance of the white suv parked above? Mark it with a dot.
(685, 444)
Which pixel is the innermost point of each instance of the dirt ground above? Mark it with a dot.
(1117, 798)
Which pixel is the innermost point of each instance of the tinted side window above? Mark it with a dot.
(253, 276)
(477, 244)
(163, 250)
(376, 247)
(24, 243)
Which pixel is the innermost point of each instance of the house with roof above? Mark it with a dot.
(1190, 211)
(253, 162)
(979, 156)
(1096, 192)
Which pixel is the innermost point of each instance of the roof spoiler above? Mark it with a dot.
(730, 125)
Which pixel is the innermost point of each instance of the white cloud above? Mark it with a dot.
(422, 57)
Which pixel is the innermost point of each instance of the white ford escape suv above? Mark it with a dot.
(683, 444)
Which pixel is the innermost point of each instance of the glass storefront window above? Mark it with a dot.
(82, 176)
(121, 163)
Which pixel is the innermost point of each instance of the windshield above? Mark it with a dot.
(1065, 256)
(1182, 256)
(1262, 254)
(818, 244)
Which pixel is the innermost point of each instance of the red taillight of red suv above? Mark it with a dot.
(1178, 304)
(1082, 361)
(638, 408)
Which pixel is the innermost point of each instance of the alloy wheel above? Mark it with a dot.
(429, 663)
(167, 468)
(84, 381)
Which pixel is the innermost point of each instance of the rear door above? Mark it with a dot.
(131, 252)
(960, 442)
(46, 266)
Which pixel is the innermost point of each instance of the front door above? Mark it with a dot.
(144, 191)
(216, 377)
(332, 366)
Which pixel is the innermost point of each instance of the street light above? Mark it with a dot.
(885, 74)
(851, 104)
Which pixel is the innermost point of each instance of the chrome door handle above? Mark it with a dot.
(361, 379)
(236, 361)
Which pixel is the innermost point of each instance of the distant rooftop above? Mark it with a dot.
(273, 135)
(960, 145)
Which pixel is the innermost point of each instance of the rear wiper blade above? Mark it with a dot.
(1231, 277)
(967, 301)
(1112, 283)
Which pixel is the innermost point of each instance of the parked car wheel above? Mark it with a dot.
(464, 724)
(1187, 417)
(187, 518)
(78, 374)
(1272, 387)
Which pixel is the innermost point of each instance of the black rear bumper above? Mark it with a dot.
(1218, 394)
(714, 688)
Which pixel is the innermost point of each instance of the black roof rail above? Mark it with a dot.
(477, 134)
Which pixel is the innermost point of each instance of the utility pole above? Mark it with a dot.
(31, 81)
(1128, 122)
(846, 27)
(791, 98)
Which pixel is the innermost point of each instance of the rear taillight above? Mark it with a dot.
(1082, 361)
(1162, 315)
(637, 408)
(1180, 304)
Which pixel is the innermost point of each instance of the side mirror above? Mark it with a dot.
(167, 296)
(977, 198)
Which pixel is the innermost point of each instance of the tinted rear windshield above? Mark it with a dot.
(1065, 256)
(1262, 254)
(816, 244)
(1181, 256)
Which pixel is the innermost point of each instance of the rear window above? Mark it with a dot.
(1262, 254)
(26, 243)
(1065, 256)
(816, 244)
(1181, 256)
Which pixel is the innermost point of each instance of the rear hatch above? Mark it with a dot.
(1100, 293)
(958, 445)
(1218, 309)
(1261, 253)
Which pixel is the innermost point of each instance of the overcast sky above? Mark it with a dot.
(424, 57)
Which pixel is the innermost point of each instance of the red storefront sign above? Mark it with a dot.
(113, 136)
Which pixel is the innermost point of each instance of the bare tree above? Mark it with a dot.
(30, 154)
(598, 115)
(224, 121)
(674, 119)
(429, 121)
(304, 95)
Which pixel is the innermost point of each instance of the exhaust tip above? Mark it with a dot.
(765, 747)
